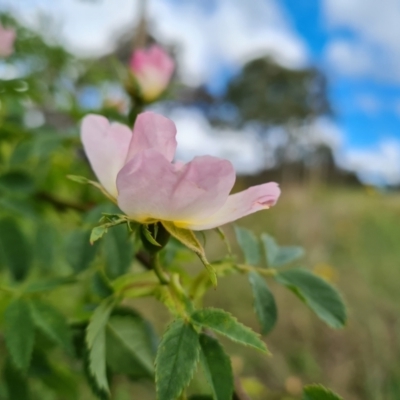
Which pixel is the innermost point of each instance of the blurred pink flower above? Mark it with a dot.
(137, 169)
(152, 68)
(7, 38)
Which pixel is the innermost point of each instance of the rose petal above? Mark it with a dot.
(151, 188)
(153, 131)
(7, 38)
(106, 146)
(239, 205)
(156, 57)
(153, 68)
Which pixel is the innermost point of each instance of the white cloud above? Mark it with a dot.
(377, 28)
(233, 33)
(378, 166)
(323, 131)
(369, 104)
(230, 33)
(375, 20)
(85, 27)
(396, 107)
(348, 58)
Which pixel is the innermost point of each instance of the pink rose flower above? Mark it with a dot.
(7, 38)
(153, 69)
(137, 169)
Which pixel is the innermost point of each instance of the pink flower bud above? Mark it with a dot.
(137, 169)
(7, 38)
(152, 68)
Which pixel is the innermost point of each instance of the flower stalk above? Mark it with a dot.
(163, 277)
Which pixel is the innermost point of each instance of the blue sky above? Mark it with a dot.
(355, 43)
(366, 105)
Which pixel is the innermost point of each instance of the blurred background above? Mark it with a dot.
(305, 93)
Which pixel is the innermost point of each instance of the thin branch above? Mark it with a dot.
(239, 393)
(141, 30)
(61, 204)
(162, 276)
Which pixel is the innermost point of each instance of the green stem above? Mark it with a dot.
(136, 109)
(176, 285)
(161, 274)
(180, 293)
(221, 234)
(261, 271)
(201, 283)
(183, 306)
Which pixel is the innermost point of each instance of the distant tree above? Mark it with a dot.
(268, 93)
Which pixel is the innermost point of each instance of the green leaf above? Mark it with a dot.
(19, 333)
(318, 294)
(79, 179)
(17, 181)
(98, 321)
(318, 392)
(118, 251)
(217, 368)
(79, 252)
(132, 280)
(96, 343)
(188, 238)
(46, 143)
(147, 234)
(52, 323)
(16, 250)
(58, 379)
(176, 360)
(130, 348)
(101, 285)
(21, 154)
(225, 324)
(85, 181)
(279, 255)
(100, 393)
(19, 206)
(49, 284)
(15, 382)
(154, 237)
(249, 244)
(288, 254)
(46, 246)
(98, 232)
(271, 248)
(95, 214)
(264, 302)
